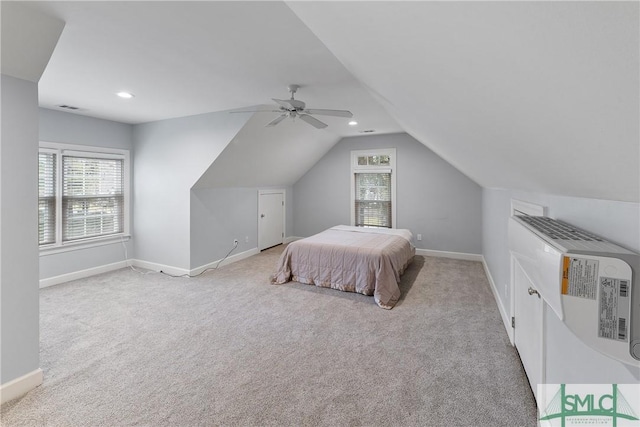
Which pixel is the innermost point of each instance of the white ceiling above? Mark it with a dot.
(187, 58)
(537, 96)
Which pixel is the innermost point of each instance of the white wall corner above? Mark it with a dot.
(223, 262)
(20, 386)
(506, 319)
(153, 266)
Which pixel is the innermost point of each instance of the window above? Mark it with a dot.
(47, 198)
(83, 194)
(373, 188)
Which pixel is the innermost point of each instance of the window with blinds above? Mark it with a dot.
(373, 199)
(82, 195)
(92, 197)
(46, 198)
(373, 188)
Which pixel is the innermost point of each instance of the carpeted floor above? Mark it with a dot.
(228, 348)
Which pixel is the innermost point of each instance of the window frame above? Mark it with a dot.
(55, 189)
(356, 168)
(63, 149)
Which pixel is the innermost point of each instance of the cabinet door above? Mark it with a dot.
(529, 327)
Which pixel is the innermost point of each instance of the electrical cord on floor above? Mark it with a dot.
(126, 260)
(235, 245)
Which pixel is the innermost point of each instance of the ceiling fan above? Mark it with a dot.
(294, 108)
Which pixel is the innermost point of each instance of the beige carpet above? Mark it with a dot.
(228, 348)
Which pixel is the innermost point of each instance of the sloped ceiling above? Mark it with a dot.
(188, 58)
(28, 40)
(537, 96)
(276, 156)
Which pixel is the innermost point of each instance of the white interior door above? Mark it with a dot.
(529, 327)
(270, 219)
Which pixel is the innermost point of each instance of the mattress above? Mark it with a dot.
(368, 261)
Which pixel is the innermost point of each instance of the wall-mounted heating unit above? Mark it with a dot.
(591, 284)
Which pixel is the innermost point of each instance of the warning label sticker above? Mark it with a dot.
(580, 277)
(614, 309)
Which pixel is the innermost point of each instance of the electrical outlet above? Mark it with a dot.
(246, 239)
(235, 242)
(419, 237)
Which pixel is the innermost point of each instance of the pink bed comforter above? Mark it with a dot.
(354, 259)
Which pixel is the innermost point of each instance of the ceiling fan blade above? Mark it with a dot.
(312, 121)
(335, 113)
(276, 120)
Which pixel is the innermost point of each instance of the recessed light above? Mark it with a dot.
(125, 95)
(353, 123)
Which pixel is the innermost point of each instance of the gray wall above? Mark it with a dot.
(219, 215)
(433, 198)
(62, 127)
(19, 305)
(170, 156)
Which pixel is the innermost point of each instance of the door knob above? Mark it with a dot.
(261, 215)
(533, 292)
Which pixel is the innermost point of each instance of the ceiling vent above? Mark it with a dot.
(68, 107)
(368, 131)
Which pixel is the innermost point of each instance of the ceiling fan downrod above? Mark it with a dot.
(293, 89)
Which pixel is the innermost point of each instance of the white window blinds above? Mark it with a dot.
(373, 199)
(92, 197)
(373, 187)
(46, 198)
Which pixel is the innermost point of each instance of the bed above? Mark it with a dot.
(368, 261)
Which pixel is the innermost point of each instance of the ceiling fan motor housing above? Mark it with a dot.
(295, 105)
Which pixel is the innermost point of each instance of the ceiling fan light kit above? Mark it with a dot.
(295, 108)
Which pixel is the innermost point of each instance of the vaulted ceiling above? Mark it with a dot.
(537, 96)
(540, 96)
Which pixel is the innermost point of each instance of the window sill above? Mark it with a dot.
(84, 244)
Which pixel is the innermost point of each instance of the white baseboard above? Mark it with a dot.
(176, 271)
(452, 255)
(81, 274)
(154, 266)
(503, 312)
(229, 260)
(20, 386)
(291, 239)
